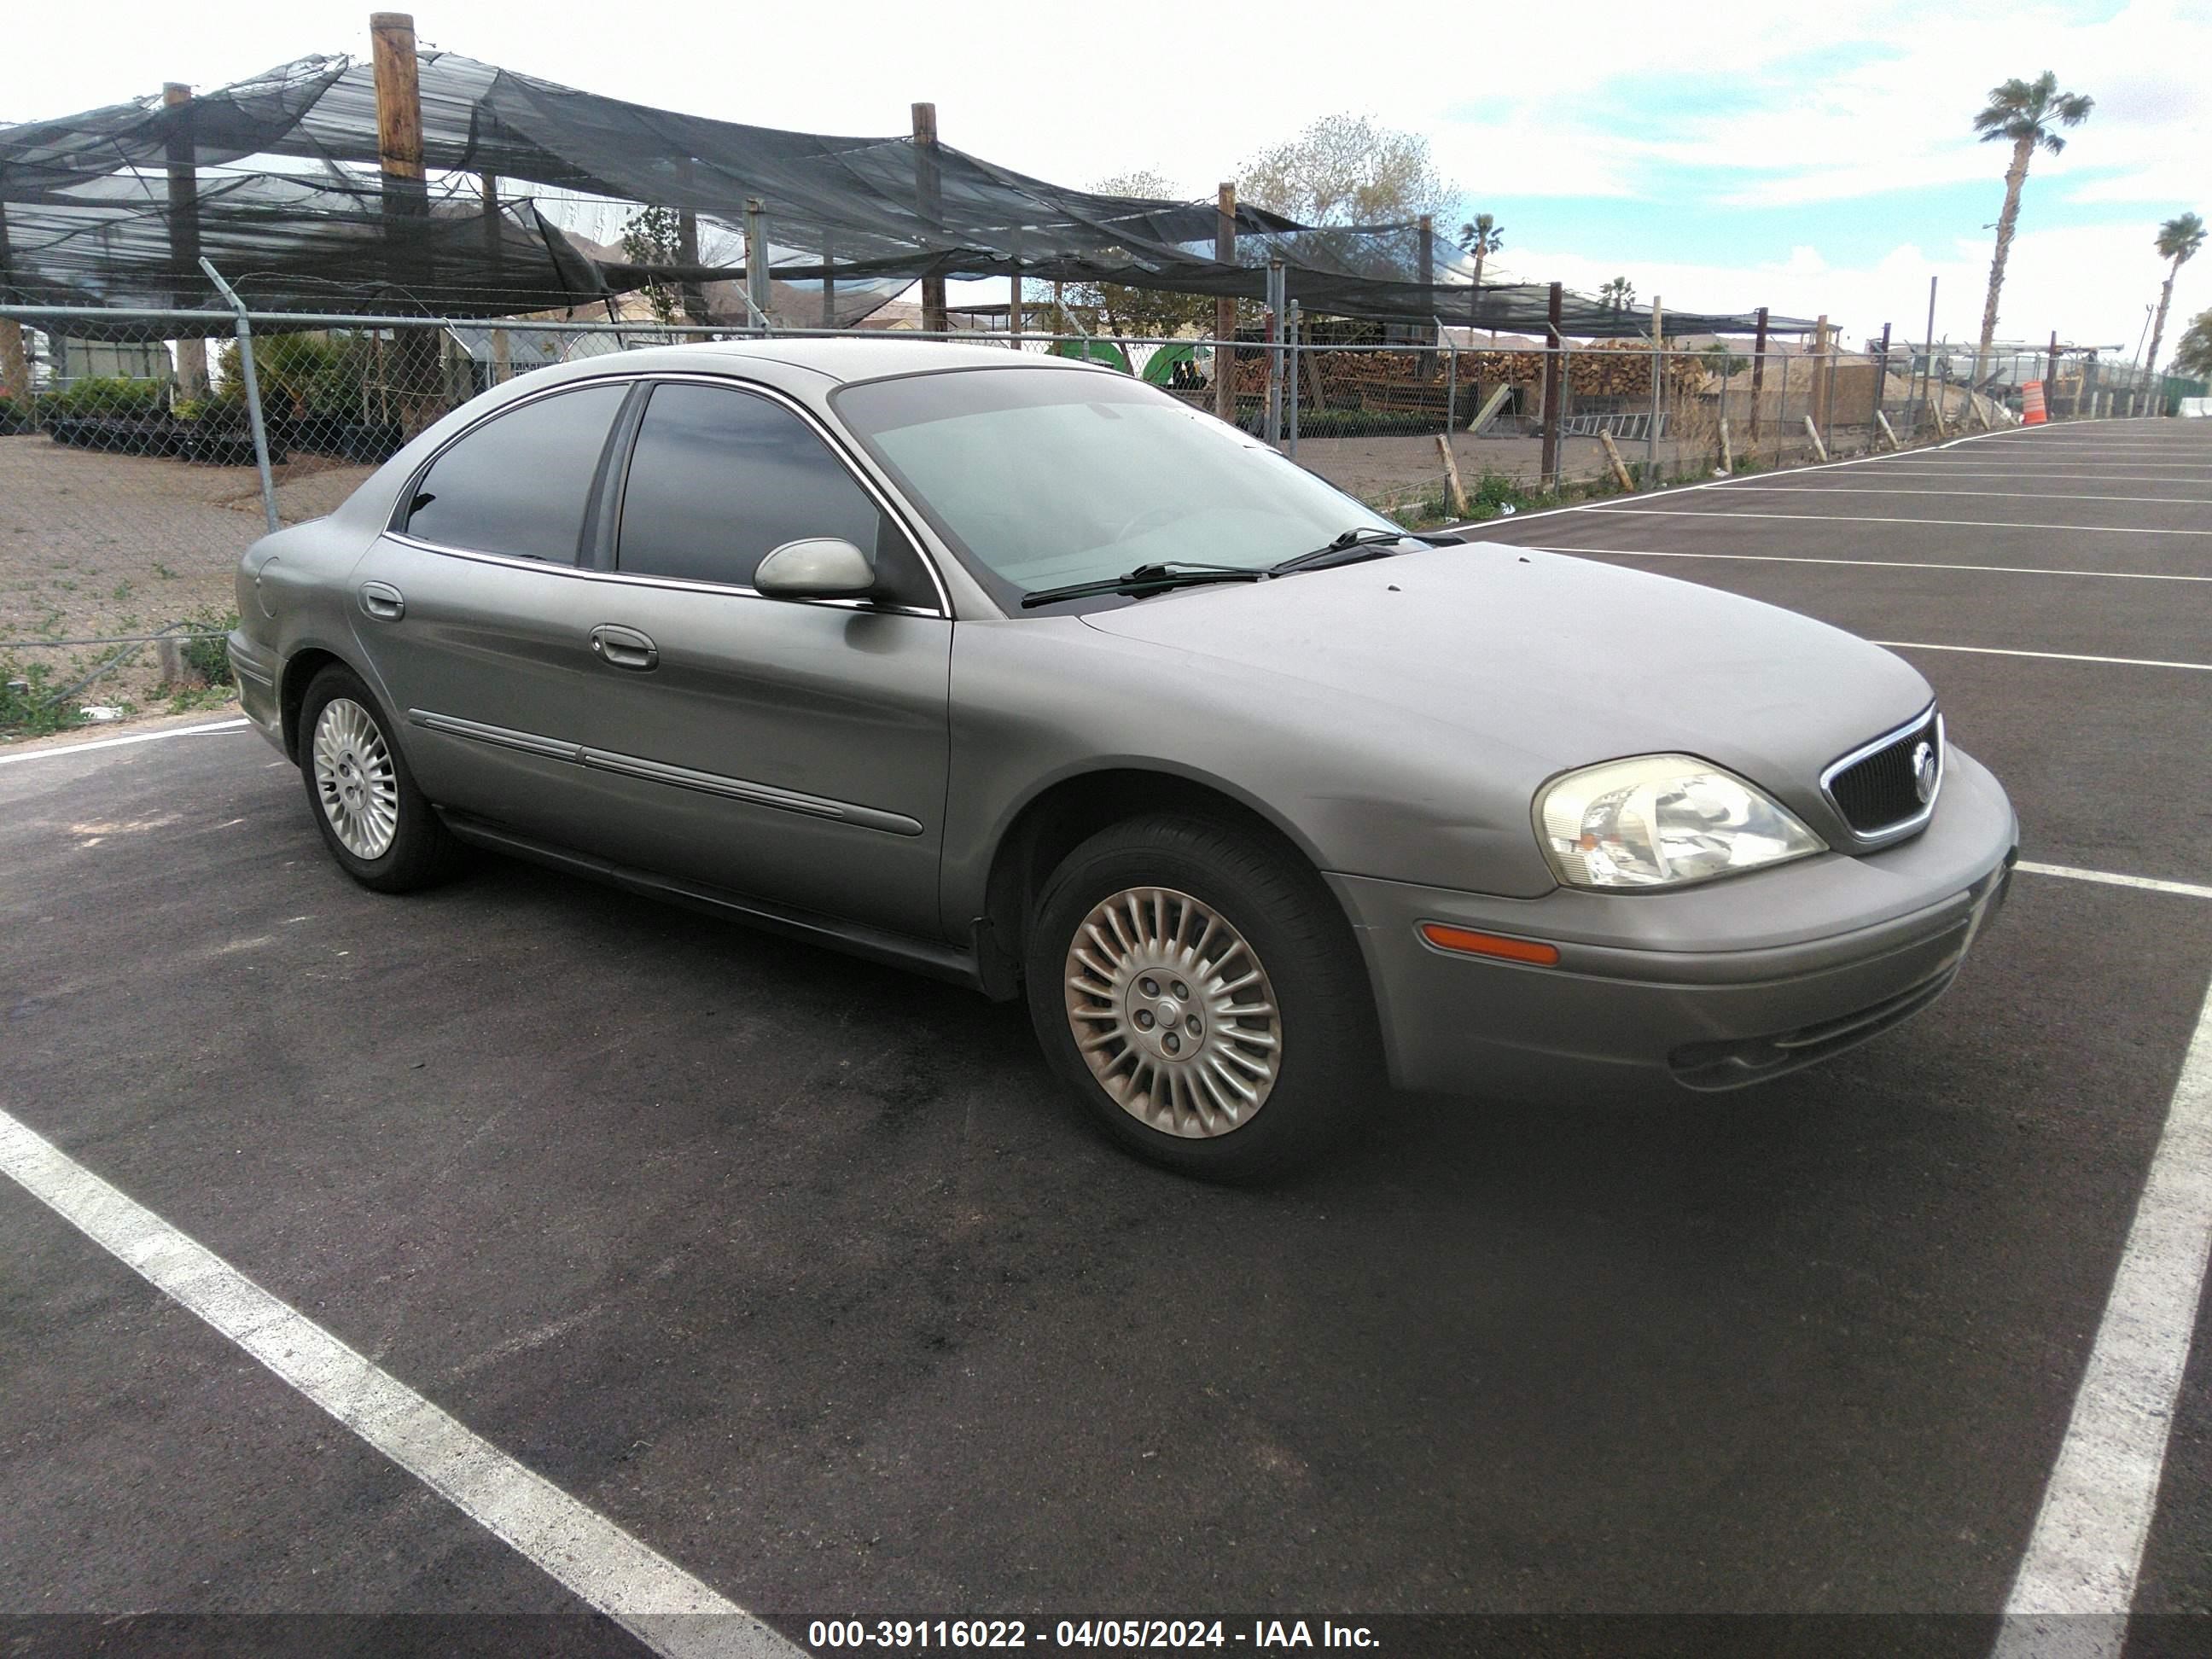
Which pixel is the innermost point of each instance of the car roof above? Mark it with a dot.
(850, 357)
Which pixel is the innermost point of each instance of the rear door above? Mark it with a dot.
(475, 612)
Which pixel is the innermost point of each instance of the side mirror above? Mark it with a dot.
(817, 567)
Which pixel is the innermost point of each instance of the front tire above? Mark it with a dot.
(1197, 988)
(377, 824)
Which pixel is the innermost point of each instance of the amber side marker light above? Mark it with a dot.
(1468, 942)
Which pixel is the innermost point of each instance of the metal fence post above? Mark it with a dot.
(1758, 377)
(1658, 362)
(245, 328)
(1296, 318)
(1275, 290)
(1554, 376)
(1451, 376)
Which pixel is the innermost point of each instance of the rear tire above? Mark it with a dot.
(1198, 989)
(377, 824)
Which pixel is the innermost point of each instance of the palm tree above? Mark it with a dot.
(1481, 236)
(2023, 114)
(2178, 239)
(1619, 295)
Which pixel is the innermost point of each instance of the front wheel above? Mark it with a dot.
(1198, 989)
(377, 825)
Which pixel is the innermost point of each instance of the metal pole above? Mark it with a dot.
(1658, 362)
(1927, 380)
(1275, 349)
(245, 327)
(1881, 387)
(1291, 379)
(1224, 308)
(1548, 465)
(1451, 377)
(1758, 375)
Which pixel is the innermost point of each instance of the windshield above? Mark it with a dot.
(1042, 477)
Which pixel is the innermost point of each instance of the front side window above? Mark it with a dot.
(720, 478)
(518, 483)
(1047, 476)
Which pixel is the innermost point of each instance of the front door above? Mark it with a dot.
(788, 750)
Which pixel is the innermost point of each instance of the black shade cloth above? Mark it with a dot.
(290, 207)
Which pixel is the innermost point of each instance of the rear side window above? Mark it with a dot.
(720, 478)
(518, 483)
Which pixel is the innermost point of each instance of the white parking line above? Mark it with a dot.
(1886, 564)
(1874, 518)
(2086, 1552)
(2053, 656)
(2186, 889)
(2034, 472)
(2007, 494)
(643, 1591)
(117, 742)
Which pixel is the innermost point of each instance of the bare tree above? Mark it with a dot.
(2022, 113)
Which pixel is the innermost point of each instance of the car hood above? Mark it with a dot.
(1554, 661)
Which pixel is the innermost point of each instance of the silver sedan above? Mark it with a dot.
(1026, 675)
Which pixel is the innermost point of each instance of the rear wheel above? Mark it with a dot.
(1196, 987)
(376, 823)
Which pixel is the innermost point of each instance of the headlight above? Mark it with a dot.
(1663, 821)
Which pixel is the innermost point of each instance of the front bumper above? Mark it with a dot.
(1710, 987)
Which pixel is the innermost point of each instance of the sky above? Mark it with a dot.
(1721, 157)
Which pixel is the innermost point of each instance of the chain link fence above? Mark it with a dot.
(131, 469)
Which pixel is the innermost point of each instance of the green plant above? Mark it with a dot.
(28, 704)
(102, 394)
(210, 659)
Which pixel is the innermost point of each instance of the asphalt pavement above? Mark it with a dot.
(801, 1271)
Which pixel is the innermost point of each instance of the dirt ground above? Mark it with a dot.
(1388, 472)
(94, 545)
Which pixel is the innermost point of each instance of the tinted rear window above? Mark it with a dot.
(518, 483)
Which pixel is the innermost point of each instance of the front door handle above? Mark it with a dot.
(625, 647)
(381, 600)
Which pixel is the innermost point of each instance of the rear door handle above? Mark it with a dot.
(382, 601)
(625, 647)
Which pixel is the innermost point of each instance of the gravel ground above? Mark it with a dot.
(93, 545)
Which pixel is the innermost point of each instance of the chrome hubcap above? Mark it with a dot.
(354, 779)
(1173, 1013)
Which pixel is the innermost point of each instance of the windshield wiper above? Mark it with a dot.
(1365, 543)
(1148, 579)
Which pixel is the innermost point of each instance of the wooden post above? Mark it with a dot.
(1658, 362)
(693, 295)
(929, 194)
(828, 283)
(406, 205)
(757, 265)
(184, 234)
(398, 97)
(1881, 420)
(2050, 378)
(502, 358)
(1728, 453)
(1224, 308)
(1428, 227)
(1548, 466)
(1613, 459)
(1824, 370)
(1451, 476)
(1758, 374)
(1813, 433)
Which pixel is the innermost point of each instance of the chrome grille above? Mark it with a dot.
(1875, 790)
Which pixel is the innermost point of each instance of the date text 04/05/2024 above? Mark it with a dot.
(921, 1635)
